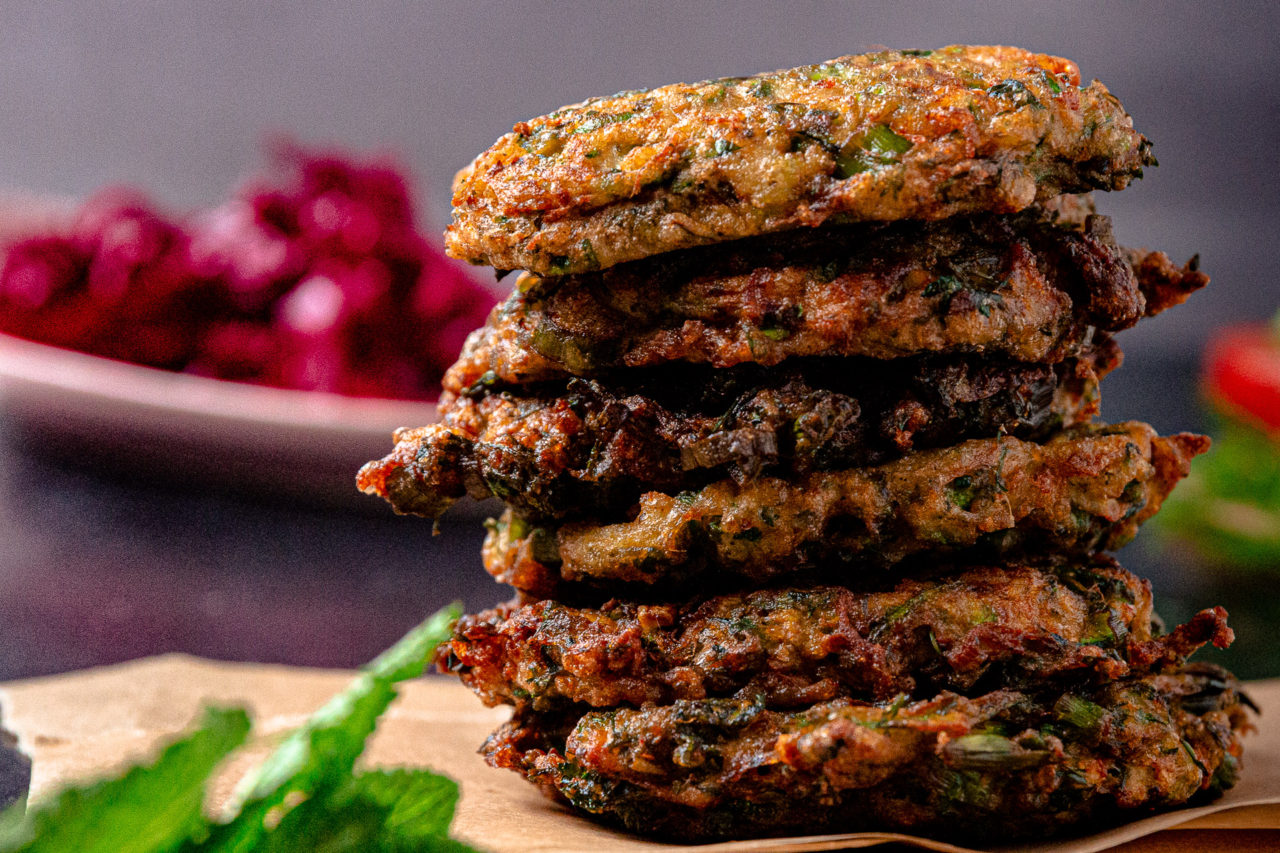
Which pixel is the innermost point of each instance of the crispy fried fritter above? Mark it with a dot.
(594, 447)
(1025, 287)
(1013, 626)
(882, 136)
(1086, 489)
(1000, 765)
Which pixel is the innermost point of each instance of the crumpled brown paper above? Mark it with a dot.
(83, 724)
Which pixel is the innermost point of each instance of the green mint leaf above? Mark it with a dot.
(318, 758)
(413, 653)
(407, 810)
(419, 805)
(303, 797)
(149, 809)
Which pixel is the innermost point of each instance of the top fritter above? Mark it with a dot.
(880, 136)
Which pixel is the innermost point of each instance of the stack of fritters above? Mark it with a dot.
(793, 412)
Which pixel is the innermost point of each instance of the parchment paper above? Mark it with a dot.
(80, 725)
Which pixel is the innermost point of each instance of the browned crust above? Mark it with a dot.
(560, 450)
(1029, 287)
(1163, 283)
(1015, 625)
(641, 173)
(1086, 489)
(1000, 765)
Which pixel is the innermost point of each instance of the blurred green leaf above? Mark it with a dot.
(150, 808)
(392, 810)
(1228, 509)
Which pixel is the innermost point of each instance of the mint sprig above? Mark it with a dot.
(305, 796)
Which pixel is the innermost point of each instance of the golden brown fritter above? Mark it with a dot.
(587, 446)
(1025, 287)
(883, 136)
(1084, 490)
(1001, 765)
(1014, 626)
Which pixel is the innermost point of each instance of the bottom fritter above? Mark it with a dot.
(1001, 765)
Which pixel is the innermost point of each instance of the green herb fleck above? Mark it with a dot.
(1100, 632)
(1016, 92)
(486, 381)
(1078, 712)
(723, 147)
(1227, 774)
(991, 752)
(594, 121)
(589, 255)
(1051, 82)
(943, 285)
(1186, 746)
(518, 528)
(961, 492)
(827, 70)
(1000, 484)
(877, 146)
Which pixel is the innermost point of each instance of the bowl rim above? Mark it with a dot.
(27, 366)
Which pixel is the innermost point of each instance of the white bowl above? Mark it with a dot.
(183, 428)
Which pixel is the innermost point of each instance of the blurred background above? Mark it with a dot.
(98, 566)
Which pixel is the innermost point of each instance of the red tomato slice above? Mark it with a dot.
(1242, 373)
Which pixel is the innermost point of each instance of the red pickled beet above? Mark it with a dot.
(317, 279)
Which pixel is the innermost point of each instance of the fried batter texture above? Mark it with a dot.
(884, 136)
(594, 446)
(1003, 764)
(1016, 627)
(1026, 287)
(1086, 489)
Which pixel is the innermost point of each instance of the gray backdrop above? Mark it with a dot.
(176, 97)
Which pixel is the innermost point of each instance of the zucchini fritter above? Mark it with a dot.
(1016, 626)
(1086, 489)
(1026, 287)
(1000, 765)
(593, 447)
(882, 136)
